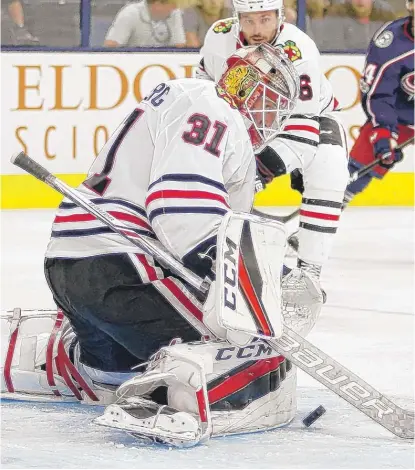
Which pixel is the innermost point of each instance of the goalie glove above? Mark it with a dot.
(384, 144)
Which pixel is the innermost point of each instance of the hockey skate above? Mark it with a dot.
(149, 421)
(302, 298)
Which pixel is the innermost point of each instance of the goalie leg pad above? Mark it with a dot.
(36, 361)
(225, 389)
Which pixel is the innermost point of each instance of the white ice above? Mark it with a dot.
(367, 325)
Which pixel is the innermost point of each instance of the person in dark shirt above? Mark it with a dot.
(350, 25)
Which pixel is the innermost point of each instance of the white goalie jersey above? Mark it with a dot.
(170, 171)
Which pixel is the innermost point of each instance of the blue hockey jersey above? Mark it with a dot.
(388, 82)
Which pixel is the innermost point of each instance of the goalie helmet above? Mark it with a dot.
(261, 82)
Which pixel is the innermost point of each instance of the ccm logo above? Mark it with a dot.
(230, 271)
(329, 374)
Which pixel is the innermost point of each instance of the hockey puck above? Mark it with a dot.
(314, 416)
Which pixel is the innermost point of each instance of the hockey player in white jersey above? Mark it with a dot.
(312, 144)
(175, 170)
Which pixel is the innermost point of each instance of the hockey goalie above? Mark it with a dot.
(172, 364)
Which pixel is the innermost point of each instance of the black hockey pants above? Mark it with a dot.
(119, 320)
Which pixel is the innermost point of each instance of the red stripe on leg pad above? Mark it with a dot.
(49, 353)
(201, 404)
(9, 360)
(246, 286)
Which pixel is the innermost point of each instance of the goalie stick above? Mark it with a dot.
(279, 218)
(353, 177)
(298, 350)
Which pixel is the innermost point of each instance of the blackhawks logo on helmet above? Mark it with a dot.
(292, 51)
(224, 26)
(240, 81)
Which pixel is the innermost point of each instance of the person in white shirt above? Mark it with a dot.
(149, 23)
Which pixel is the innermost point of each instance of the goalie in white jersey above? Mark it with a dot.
(174, 168)
(312, 144)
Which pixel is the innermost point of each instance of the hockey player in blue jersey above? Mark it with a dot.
(387, 89)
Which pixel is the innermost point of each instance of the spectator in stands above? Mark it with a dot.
(317, 9)
(383, 5)
(290, 11)
(349, 26)
(13, 30)
(200, 17)
(150, 23)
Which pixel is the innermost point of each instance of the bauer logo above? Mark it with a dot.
(230, 274)
(347, 386)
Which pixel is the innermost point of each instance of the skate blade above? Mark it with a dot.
(117, 418)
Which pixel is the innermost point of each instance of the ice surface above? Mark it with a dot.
(367, 325)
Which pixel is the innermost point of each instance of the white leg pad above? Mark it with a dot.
(35, 362)
(225, 389)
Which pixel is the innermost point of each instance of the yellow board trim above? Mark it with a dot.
(25, 192)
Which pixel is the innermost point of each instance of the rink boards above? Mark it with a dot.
(61, 108)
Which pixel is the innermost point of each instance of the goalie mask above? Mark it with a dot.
(264, 86)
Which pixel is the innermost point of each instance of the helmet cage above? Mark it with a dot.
(267, 109)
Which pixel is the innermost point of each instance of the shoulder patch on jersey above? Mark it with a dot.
(408, 85)
(292, 50)
(384, 39)
(224, 26)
